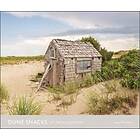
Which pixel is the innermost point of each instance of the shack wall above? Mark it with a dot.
(96, 64)
(71, 68)
(70, 65)
(56, 75)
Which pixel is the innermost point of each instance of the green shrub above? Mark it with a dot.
(3, 94)
(127, 68)
(106, 55)
(97, 77)
(131, 63)
(25, 106)
(131, 81)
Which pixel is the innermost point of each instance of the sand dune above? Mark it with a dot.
(16, 78)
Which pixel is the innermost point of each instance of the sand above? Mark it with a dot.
(16, 78)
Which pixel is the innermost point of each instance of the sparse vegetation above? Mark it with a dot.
(124, 69)
(86, 81)
(67, 88)
(56, 96)
(4, 96)
(19, 59)
(37, 78)
(111, 86)
(70, 87)
(25, 106)
(112, 102)
(119, 54)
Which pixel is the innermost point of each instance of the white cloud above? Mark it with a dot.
(38, 46)
(82, 20)
(120, 44)
(66, 17)
(86, 20)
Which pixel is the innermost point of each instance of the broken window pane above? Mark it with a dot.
(83, 66)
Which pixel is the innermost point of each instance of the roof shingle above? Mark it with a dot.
(75, 48)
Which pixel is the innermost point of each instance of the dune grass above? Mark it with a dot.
(112, 101)
(19, 59)
(4, 96)
(25, 106)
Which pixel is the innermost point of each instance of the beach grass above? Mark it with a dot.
(10, 60)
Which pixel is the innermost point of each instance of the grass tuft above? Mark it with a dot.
(111, 103)
(25, 106)
(4, 96)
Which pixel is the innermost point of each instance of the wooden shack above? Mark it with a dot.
(69, 60)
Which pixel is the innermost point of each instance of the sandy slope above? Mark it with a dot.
(16, 78)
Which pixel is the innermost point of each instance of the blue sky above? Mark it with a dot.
(29, 33)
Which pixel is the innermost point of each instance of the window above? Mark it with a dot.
(83, 66)
(52, 52)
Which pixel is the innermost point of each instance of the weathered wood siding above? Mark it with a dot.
(56, 74)
(70, 72)
(64, 69)
(96, 64)
(71, 67)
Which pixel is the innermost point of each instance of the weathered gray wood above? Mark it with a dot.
(44, 75)
(64, 65)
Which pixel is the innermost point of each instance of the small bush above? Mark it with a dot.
(106, 55)
(56, 96)
(58, 89)
(111, 86)
(68, 100)
(131, 64)
(126, 68)
(86, 81)
(67, 88)
(3, 94)
(109, 103)
(97, 105)
(70, 87)
(25, 106)
(37, 78)
(97, 77)
(131, 81)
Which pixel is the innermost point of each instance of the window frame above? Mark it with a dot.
(83, 70)
(54, 52)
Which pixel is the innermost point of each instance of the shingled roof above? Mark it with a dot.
(75, 48)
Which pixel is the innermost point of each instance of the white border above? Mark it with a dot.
(69, 5)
